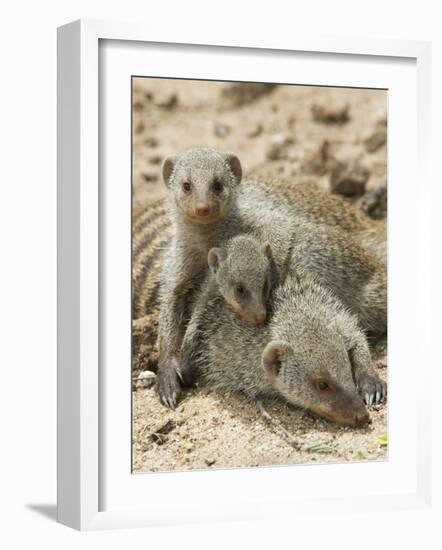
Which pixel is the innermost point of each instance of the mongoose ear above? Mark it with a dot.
(273, 356)
(267, 250)
(234, 165)
(167, 168)
(214, 258)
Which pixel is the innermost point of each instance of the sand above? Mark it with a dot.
(295, 133)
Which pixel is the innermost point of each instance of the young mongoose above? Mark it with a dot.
(203, 185)
(209, 206)
(312, 353)
(243, 273)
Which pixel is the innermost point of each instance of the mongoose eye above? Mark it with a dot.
(217, 186)
(322, 386)
(187, 187)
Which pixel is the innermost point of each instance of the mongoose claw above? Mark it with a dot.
(373, 389)
(168, 387)
(180, 376)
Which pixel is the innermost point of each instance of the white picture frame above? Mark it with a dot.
(80, 265)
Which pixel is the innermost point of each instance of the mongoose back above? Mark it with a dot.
(311, 353)
(209, 206)
(318, 205)
(151, 237)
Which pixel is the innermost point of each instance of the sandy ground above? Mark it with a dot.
(290, 132)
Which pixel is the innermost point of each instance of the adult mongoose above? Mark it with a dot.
(151, 237)
(312, 352)
(209, 206)
(318, 205)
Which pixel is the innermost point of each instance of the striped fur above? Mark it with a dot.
(152, 227)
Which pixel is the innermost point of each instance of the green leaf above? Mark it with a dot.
(321, 448)
(383, 440)
(188, 445)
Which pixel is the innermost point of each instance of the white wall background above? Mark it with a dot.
(28, 269)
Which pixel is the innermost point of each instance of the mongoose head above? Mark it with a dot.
(313, 370)
(242, 270)
(203, 183)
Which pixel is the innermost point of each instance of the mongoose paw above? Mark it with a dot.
(169, 385)
(372, 389)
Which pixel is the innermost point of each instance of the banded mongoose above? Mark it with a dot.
(243, 272)
(243, 275)
(151, 237)
(312, 353)
(209, 207)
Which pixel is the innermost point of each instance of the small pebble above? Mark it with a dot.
(221, 130)
(374, 202)
(277, 148)
(151, 142)
(349, 179)
(377, 140)
(238, 94)
(145, 379)
(331, 113)
(256, 131)
(149, 177)
(169, 102)
(155, 159)
(140, 127)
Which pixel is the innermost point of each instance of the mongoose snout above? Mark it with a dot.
(342, 406)
(361, 419)
(248, 313)
(202, 209)
(356, 419)
(261, 318)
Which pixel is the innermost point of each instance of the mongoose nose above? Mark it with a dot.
(260, 318)
(362, 419)
(202, 209)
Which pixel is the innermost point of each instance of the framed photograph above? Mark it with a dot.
(232, 281)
